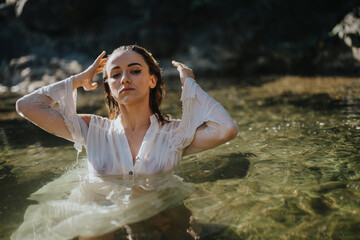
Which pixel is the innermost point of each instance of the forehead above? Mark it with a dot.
(123, 58)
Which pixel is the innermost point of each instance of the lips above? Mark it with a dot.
(124, 90)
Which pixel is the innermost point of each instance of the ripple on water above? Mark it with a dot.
(292, 172)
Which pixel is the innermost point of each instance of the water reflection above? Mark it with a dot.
(319, 102)
(80, 204)
(292, 172)
(213, 168)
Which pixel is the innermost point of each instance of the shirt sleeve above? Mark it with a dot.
(198, 107)
(62, 93)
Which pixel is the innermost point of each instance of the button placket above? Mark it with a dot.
(136, 165)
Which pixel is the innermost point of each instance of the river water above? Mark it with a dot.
(293, 171)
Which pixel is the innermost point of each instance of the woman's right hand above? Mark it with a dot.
(184, 71)
(84, 79)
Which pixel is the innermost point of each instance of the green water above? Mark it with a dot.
(293, 171)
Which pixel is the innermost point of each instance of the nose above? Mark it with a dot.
(125, 79)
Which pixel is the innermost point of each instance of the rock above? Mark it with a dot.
(214, 38)
(7, 10)
(12, 39)
(28, 73)
(349, 31)
(329, 186)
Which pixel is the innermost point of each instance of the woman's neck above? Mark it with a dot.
(135, 117)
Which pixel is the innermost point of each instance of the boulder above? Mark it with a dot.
(214, 37)
(28, 73)
(349, 31)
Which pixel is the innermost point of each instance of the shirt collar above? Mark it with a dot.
(153, 120)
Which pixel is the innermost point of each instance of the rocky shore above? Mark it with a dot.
(43, 41)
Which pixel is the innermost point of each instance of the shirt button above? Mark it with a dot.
(131, 173)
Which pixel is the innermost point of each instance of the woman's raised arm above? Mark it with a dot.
(212, 124)
(62, 122)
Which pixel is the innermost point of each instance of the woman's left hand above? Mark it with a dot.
(184, 71)
(85, 78)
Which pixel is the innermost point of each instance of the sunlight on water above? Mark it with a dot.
(292, 172)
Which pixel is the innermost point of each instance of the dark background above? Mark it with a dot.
(216, 37)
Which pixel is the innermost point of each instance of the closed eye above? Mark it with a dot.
(115, 75)
(135, 72)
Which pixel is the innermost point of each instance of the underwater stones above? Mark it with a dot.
(345, 228)
(329, 186)
(231, 166)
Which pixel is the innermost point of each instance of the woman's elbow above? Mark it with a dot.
(232, 131)
(21, 106)
(228, 133)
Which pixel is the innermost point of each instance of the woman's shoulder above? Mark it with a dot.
(170, 125)
(98, 121)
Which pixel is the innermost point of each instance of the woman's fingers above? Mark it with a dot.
(99, 70)
(93, 86)
(98, 64)
(100, 57)
(179, 64)
(103, 61)
(183, 70)
(100, 61)
(174, 63)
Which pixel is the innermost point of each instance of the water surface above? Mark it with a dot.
(293, 171)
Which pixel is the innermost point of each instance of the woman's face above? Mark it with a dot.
(129, 78)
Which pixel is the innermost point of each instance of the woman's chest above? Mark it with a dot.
(135, 140)
(121, 155)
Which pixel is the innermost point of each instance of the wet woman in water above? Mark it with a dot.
(136, 139)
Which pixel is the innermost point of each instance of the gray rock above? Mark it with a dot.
(28, 73)
(349, 31)
(7, 10)
(214, 37)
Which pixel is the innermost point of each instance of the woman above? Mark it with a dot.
(136, 139)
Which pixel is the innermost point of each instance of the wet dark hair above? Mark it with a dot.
(156, 94)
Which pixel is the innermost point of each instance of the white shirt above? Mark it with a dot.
(162, 148)
(108, 198)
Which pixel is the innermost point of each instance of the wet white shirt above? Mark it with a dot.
(105, 140)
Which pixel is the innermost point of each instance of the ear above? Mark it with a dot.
(153, 81)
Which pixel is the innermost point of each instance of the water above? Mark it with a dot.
(293, 171)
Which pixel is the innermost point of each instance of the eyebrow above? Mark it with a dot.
(129, 65)
(132, 64)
